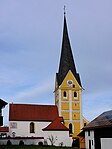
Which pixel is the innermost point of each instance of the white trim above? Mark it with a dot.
(63, 101)
(64, 97)
(81, 119)
(72, 121)
(72, 111)
(76, 111)
(75, 101)
(59, 103)
(70, 104)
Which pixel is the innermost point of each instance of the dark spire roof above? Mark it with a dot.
(66, 60)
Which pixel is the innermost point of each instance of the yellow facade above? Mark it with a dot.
(85, 122)
(75, 106)
(75, 115)
(69, 106)
(66, 115)
(64, 84)
(65, 106)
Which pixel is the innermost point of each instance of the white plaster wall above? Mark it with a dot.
(87, 138)
(26, 141)
(23, 129)
(62, 136)
(106, 143)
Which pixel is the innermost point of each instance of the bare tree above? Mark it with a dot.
(52, 139)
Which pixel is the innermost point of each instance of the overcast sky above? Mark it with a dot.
(30, 44)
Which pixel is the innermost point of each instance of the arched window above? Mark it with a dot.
(64, 94)
(32, 127)
(75, 94)
(70, 129)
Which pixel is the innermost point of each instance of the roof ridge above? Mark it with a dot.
(30, 104)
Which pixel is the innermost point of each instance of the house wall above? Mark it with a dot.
(62, 137)
(89, 139)
(102, 133)
(22, 128)
(106, 143)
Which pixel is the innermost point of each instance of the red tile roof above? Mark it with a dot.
(28, 112)
(4, 129)
(56, 125)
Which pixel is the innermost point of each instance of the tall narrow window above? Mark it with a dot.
(75, 94)
(32, 127)
(88, 132)
(64, 94)
(89, 144)
(70, 129)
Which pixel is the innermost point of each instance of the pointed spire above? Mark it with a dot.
(66, 60)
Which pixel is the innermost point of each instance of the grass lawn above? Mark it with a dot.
(33, 147)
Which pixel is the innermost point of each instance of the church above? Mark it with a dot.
(57, 124)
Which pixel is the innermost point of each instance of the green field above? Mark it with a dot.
(33, 147)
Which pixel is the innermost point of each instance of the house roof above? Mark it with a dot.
(56, 125)
(66, 59)
(29, 112)
(103, 120)
(2, 103)
(4, 129)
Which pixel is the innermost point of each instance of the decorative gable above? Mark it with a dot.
(56, 125)
(70, 81)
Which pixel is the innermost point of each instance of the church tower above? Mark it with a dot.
(68, 88)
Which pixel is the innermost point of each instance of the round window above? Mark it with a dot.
(70, 82)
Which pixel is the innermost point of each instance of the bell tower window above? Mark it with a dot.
(75, 94)
(64, 94)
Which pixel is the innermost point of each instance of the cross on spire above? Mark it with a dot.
(64, 9)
